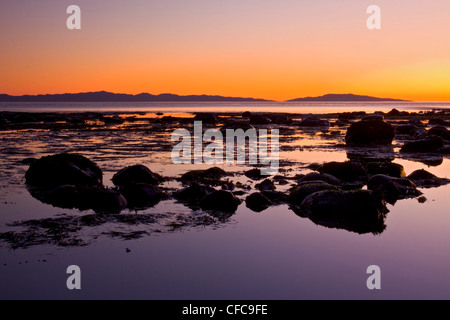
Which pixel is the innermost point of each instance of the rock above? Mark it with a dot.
(394, 113)
(358, 211)
(276, 197)
(387, 168)
(405, 129)
(194, 193)
(257, 202)
(142, 195)
(314, 176)
(246, 114)
(208, 176)
(349, 171)
(63, 169)
(298, 193)
(136, 174)
(392, 189)
(425, 179)
(439, 131)
(416, 121)
(113, 120)
(254, 174)
(280, 119)
(207, 118)
(220, 200)
(373, 117)
(437, 121)
(370, 132)
(429, 144)
(235, 125)
(313, 121)
(259, 119)
(266, 185)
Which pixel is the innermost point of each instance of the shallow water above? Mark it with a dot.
(178, 253)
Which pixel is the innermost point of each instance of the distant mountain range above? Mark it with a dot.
(344, 97)
(103, 96)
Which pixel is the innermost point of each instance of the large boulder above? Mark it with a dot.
(313, 121)
(425, 179)
(220, 200)
(193, 193)
(392, 189)
(349, 171)
(63, 169)
(136, 174)
(298, 193)
(430, 144)
(358, 211)
(371, 131)
(439, 131)
(387, 168)
(257, 202)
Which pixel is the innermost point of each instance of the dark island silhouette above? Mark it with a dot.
(104, 96)
(343, 97)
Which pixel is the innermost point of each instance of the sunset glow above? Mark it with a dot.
(276, 50)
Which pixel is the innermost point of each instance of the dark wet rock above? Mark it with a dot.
(113, 120)
(425, 179)
(277, 197)
(97, 198)
(430, 144)
(193, 193)
(405, 129)
(208, 176)
(254, 174)
(348, 171)
(141, 195)
(220, 200)
(63, 169)
(392, 189)
(236, 125)
(259, 119)
(298, 193)
(358, 211)
(313, 121)
(387, 168)
(437, 122)
(28, 161)
(246, 114)
(315, 176)
(373, 117)
(169, 119)
(265, 185)
(207, 118)
(280, 119)
(75, 121)
(136, 174)
(370, 132)
(416, 121)
(394, 113)
(257, 202)
(341, 122)
(440, 131)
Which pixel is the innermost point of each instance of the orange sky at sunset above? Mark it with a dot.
(264, 49)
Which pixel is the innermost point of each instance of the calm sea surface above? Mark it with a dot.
(273, 254)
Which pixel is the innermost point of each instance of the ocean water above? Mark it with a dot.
(273, 254)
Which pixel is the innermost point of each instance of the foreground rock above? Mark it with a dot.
(429, 144)
(371, 131)
(348, 171)
(425, 179)
(392, 189)
(210, 176)
(298, 193)
(313, 121)
(63, 169)
(136, 174)
(387, 168)
(220, 200)
(142, 195)
(314, 176)
(257, 202)
(358, 211)
(193, 193)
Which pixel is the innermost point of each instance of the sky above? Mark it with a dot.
(271, 49)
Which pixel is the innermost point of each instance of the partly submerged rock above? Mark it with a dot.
(63, 169)
(266, 185)
(259, 119)
(392, 189)
(298, 193)
(142, 195)
(358, 211)
(439, 131)
(315, 176)
(254, 174)
(257, 202)
(220, 200)
(208, 176)
(349, 171)
(430, 144)
(193, 193)
(136, 174)
(370, 132)
(387, 168)
(313, 121)
(425, 179)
